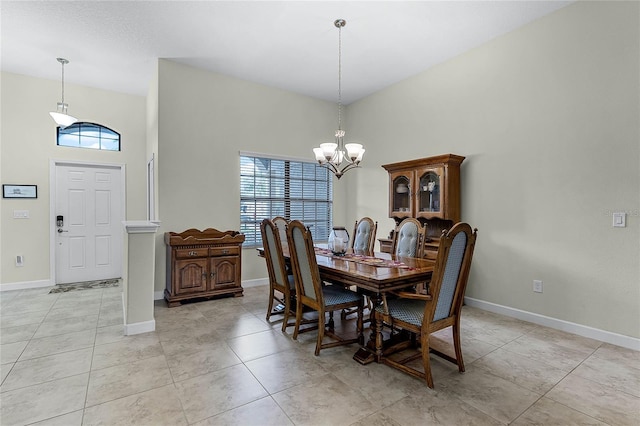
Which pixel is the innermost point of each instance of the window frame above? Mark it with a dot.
(304, 197)
(78, 125)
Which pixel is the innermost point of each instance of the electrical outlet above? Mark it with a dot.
(537, 286)
(19, 260)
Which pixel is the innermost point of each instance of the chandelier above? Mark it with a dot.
(337, 156)
(60, 116)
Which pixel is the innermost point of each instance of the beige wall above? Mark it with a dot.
(548, 118)
(28, 144)
(204, 120)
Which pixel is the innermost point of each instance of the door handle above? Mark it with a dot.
(60, 231)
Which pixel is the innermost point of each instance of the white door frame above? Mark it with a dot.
(52, 203)
(151, 189)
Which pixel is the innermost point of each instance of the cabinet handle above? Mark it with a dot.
(193, 253)
(213, 274)
(225, 251)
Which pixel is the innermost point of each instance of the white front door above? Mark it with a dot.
(89, 223)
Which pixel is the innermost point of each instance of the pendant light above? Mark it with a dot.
(60, 116)
(332, 155)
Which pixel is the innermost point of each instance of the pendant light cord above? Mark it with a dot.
(62, 82)
(340, 77)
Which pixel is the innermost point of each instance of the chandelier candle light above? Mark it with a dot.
(60, 116)
(332, 155)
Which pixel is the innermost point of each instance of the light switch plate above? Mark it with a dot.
(619, 220)
(21, 214)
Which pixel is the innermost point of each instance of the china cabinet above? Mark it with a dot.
(202, 264)
(427, 189)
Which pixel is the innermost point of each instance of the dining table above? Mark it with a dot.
(373, 274)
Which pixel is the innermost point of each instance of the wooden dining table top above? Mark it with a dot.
(376, 273)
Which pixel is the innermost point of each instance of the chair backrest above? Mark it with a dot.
(408, 238)
(281, 223)
(276, 266)
(303, 262)
(364, 235)
(451, 273)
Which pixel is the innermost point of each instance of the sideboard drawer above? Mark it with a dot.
(224, 251)
(193, 252)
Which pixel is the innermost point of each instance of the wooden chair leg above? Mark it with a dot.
(298, 319)
(286, 315)
(320, 332)
(456, 344)
(270, 308)
(426, 361)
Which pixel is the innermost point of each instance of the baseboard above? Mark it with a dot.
(139, 327)
(25, 285)
(158, 295)
(570, 327)
(255, 283)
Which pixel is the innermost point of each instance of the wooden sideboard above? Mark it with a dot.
(203, 264)
(427, 189)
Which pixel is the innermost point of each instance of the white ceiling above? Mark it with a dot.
(291, 45)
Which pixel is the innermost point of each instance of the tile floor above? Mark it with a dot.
(64, 361)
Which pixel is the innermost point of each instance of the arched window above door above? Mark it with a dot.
(89, 135)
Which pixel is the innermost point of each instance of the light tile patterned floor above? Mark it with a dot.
(64, 361)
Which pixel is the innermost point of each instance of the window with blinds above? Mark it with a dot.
(272, 187)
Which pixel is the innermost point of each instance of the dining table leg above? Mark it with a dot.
(367, 354)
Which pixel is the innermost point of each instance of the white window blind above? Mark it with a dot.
(293, 189)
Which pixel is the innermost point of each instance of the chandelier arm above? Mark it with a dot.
(348, 167)
(331, 168)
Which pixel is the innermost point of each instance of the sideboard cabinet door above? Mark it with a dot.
(225, 272)
(191, 275)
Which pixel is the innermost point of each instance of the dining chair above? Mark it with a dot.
(364, 236)
(279, 280)
(408, 238)
(311, 292)
(281, 223)
(363, 242)
(422, 314)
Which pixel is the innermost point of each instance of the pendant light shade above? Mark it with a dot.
(60, 116)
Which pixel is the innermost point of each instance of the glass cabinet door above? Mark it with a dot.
(401, 195)
(430, 193)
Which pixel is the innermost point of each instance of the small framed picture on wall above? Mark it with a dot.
(19, 191)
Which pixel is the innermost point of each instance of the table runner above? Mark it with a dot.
(367, 260)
